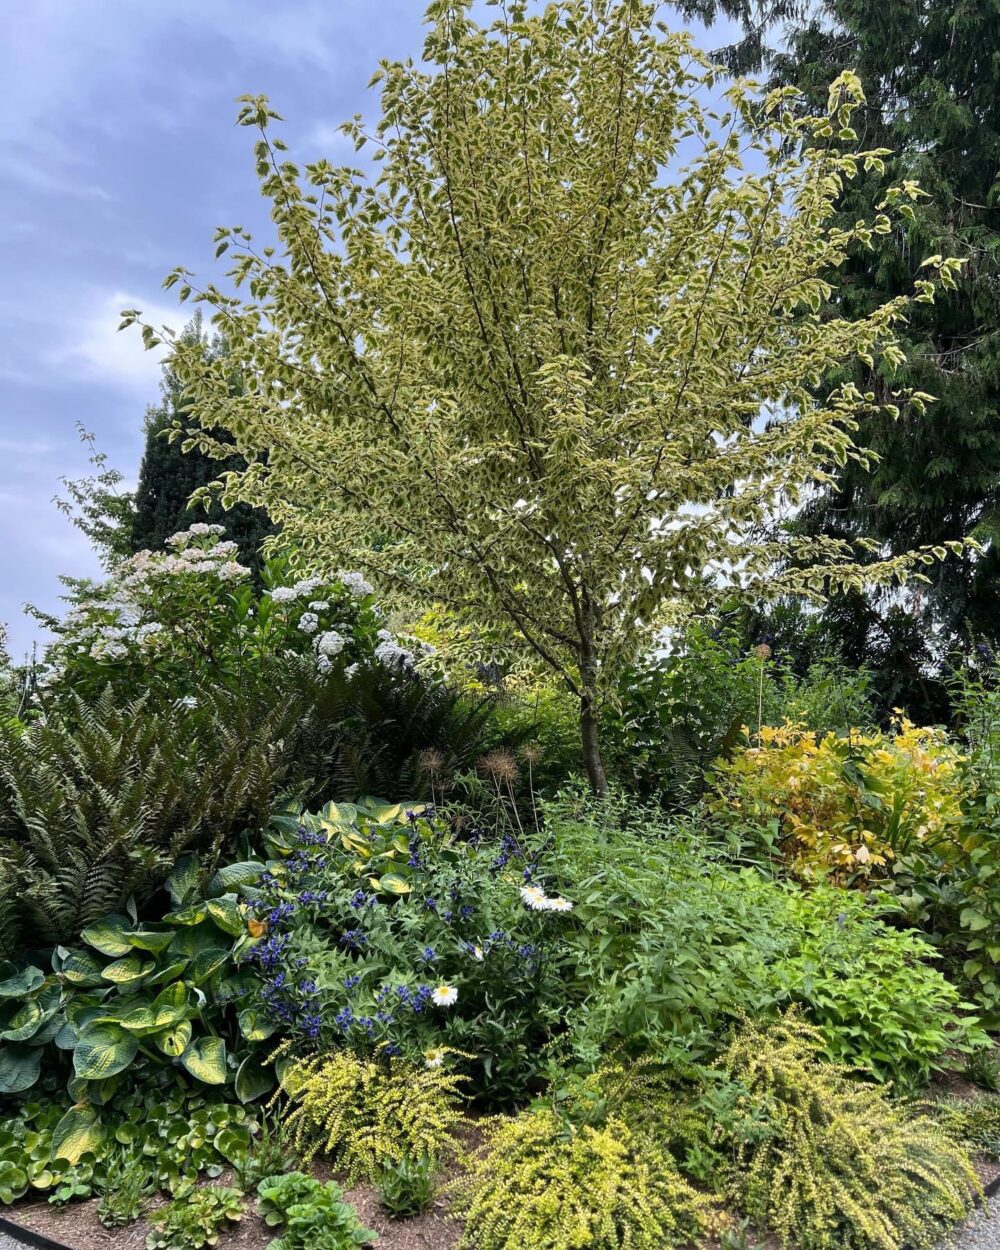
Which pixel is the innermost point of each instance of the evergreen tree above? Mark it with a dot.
(931, 73)
(169, 475)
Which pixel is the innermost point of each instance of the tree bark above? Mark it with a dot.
(591, 745)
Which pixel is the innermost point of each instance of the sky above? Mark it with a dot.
(118, 158)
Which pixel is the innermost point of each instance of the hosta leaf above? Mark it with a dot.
(23, 1023)
(381, 811)
(252, 1080)
(194, 914)
(151, 940)
(140, 1018)
(170, 1005)
(232, 1142)
(232, 876)
(19, 1067)
(225, 912)
(79, 968)
(103, 1050)
(168, 974)
(255, 1024)
(205, 1059)
(109, 935)
(127, 971)
(206, 964)
(21, 983)
(392, 883)
(78, 1131)
(13, 1182)
(182, 884)
(174, 1040)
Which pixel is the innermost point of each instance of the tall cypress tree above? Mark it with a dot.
(931, 73)
(168, 475)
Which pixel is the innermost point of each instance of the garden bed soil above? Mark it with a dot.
(78, 1228)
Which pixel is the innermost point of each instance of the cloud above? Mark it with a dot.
(95, 350)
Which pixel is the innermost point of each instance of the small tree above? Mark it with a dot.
(537, 370)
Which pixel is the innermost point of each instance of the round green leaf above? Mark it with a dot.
(19, 1067)
(255, 1025)
(22, 983)
(225, 912)
(79, 968)
(152, 940)
(392, 883)
(252, 1080)
(127, 971)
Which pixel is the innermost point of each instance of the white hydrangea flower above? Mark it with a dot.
(307, 585)
(284, 594)
(356, 584)
(319, 605)
(330, 643)
(309, 622)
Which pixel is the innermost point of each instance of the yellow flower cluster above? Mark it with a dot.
(363, 1114)
(840, 1166)
(844, 806)
(539, 1185)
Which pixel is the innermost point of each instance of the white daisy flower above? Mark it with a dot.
(434, 1057)
(534, 897)
(444, 996)
(558, 904)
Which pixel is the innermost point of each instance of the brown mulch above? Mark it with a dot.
(78, 1227)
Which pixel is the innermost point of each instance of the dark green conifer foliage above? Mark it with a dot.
(168, 476)
(931, 73)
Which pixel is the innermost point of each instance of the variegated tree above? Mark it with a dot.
(558, 356)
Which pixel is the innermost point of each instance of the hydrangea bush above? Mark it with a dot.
(162, 617)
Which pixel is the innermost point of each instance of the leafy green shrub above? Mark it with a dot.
(837, 1166)
(164, 619)
(386, 930)
(668, 947)
(537, 1186)
(313, 1214)
(364, 1115)
(406, 1186)
(194, 1221)
(676, 713)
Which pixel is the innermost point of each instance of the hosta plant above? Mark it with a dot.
(141, 993)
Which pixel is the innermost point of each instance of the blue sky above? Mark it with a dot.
(118, 158)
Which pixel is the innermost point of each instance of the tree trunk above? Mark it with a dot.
(591, 745)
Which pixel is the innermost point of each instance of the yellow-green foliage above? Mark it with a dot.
(846, 806)
(836, 1165)
(364, 1114)
(539, 1184)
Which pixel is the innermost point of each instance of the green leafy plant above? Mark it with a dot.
(540, 1186)
(669, 945)
(363, 1114)
(99, 800)
(407, 1184)
(841, 1167)
(389, 928)
(127, 1185)
(313, 1214)
(974, 1122)
(142, 992)
(196, 1220)
(270, 1152)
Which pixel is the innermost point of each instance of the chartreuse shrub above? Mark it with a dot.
(669, 947)
(313, 1214)
(829, 1162)
(846, 806)
(542, 1184)
(362, 1114)
(196, 1220)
